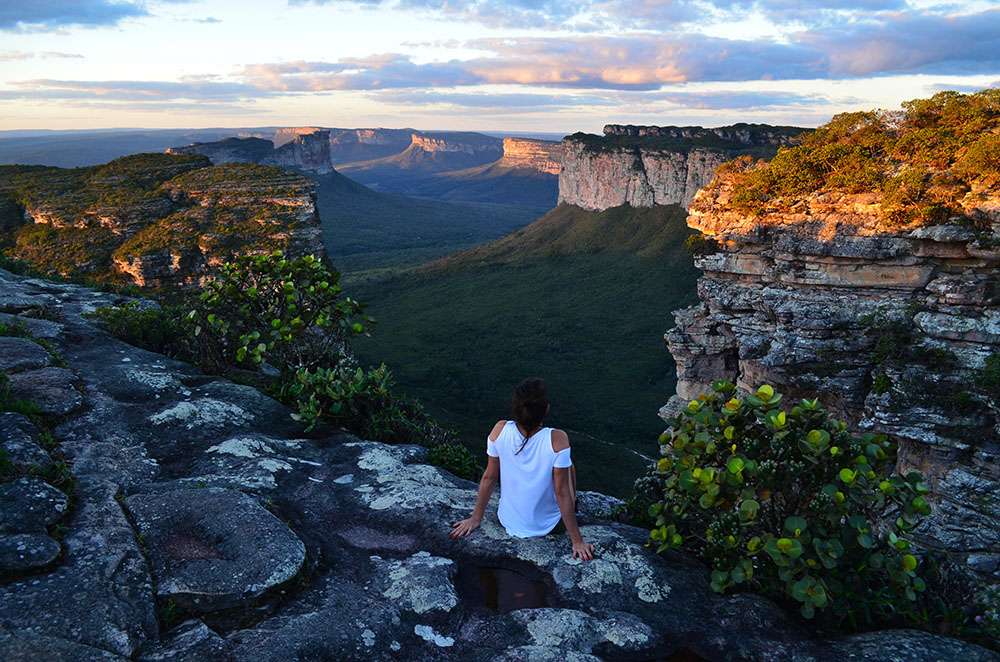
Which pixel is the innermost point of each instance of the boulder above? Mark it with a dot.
(26, 551)
(30, 505)
(18, 354)
(213, 549)
(52, 390)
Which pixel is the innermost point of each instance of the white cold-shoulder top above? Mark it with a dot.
(528, 504)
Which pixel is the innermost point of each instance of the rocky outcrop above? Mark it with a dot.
(643, 166)
(892, 329)
(542, 156)
(158, 220)
(204, 526)
(348, 145)
(306, 149)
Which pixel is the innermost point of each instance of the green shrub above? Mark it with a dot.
(456, 458)
(701, 244)
(287, 312)
(158, 329)
(988, 379)
(788, 503)
(363, 401)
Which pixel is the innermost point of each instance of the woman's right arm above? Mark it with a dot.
(486, 485)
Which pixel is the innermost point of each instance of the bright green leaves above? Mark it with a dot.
(785, 501)
(735, 465)
(748, 509)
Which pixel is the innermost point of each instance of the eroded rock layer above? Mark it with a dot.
(155, 220)
(305, 148)
(203, 526)
(892, 329)
(643, 166)
(543, 156)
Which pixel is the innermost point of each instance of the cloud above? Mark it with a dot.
(490, 100)
(590, 15)
(49, 15)
(644, 61)
(42, 15)
(744, 100)
(191, 89)
(11, 56)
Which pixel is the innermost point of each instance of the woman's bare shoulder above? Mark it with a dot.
(497, 429)
(560, 440)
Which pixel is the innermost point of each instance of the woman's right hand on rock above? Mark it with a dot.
(463, 528)
(583, 551)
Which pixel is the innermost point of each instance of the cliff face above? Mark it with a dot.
(156, 220)
(895, 326)
(644, 166)
(540, 155)
(203, 526)
(303, 148)
(465, 143)
(308, 151)
(348, 145)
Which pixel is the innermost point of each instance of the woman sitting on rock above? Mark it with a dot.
(538, 479)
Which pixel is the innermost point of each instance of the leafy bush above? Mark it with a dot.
(456, 458)
(159, 329)
(922, 161)
(988, 379)
(701, 244)
(787, 502)
(288, 312)
(363, 401)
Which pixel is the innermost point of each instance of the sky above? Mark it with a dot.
(517, 65)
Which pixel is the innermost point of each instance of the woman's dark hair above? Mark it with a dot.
(529, 405)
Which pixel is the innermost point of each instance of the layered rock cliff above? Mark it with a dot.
(885, 307)
(643, 166)
(166, 514)
(306, 149)
(155, 220)
(542, 156)
(347, 145)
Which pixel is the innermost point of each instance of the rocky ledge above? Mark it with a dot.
(199, 524)
(892, 328)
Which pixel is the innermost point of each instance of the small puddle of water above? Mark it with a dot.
(500, 589)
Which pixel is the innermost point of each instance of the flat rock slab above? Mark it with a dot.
(30, 505)
(191, 641)
(27, 647)
(39, 328)
(51, 389)
(213, 549)
(17, 439)
(18, 354)
(420, 583)
(26, 551)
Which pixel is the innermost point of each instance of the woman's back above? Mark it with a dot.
(528, 504)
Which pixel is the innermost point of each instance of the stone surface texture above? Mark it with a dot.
(343, 544)
(891, 329)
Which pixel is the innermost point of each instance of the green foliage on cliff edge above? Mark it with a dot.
(921, 162)
(785, 501)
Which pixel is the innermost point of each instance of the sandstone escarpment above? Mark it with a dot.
(894, 329)
(643, 166)
(540, 155)
(465, 143)
(156, 220)
(348, 145)
(204, 526)
(302, 148)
